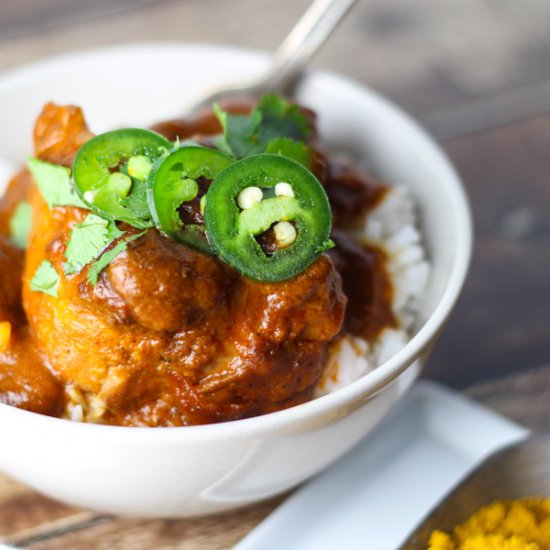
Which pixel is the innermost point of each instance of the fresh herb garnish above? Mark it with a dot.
(20, 224)
(54, 183)
(282, 119)
(273, 117)
(137, 177)
(45, 279)
(107, 257)
(87, 240)
(295, 150)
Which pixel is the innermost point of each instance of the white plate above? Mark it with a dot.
(373, 498)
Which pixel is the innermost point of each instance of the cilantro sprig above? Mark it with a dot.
(296, 150)
(20, 224)
(90, 244)
(107, 257)
(54, 183)
(274, 126)
(45, 279)
(273, 118)
(87, 240)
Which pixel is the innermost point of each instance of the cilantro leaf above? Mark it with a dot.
(107, 257)
(54, 183)
(219, 143)
(326, 245)
(295, 150)
(87, 240)
(20, 224)
(240, 131)
(282, 119)
(137, 202)
(113, 232)
(45, 279)
(273, 117)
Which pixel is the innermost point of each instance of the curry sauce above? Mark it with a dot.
(170, 336)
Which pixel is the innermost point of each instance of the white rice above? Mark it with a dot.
(391, 226)
(81, 407)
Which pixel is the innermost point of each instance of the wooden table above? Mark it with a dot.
(478, 78)
(32, 521)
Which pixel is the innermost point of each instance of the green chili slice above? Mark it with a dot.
(111, 171)
(292, 206)
(177, 187)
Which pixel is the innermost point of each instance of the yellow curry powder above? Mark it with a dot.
(522, 524)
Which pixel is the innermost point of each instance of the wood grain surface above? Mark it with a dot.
(502, 323)
(37, 523)
(427, 56)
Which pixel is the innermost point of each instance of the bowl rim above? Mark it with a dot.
(365, 387)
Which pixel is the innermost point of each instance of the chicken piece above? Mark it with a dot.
(11, 312)
(303, 307)
(263, 349)
(16, 192)
(276, 347)
(11, 262)
(170, 336)
(59, 133)
(196, 283)
(24, 380)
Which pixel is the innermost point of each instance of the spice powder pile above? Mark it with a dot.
(522, 524)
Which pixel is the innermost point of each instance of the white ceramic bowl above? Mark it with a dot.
(204, 469)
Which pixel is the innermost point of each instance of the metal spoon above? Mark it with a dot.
(290, 58)
(519, 470)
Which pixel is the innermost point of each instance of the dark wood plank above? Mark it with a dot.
(207, 533)
(426, 56)
(26, 16)
(487, 113)
(25, 513)
(522, 397)
(502, 323)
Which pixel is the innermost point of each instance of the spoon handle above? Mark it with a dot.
(290, 58)
(308, 35)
